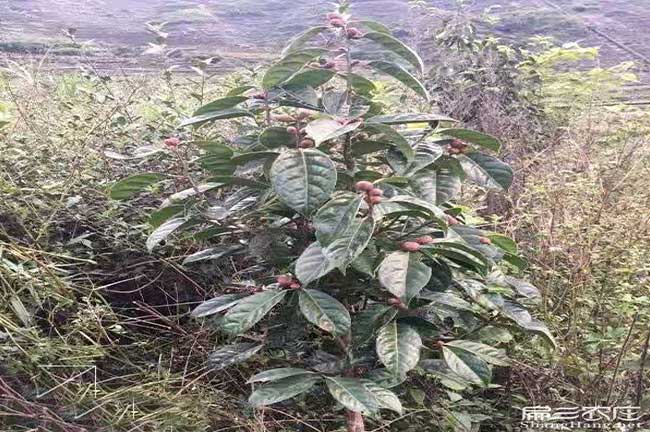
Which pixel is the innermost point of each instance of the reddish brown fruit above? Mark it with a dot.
(424, 240)
(295, 285)
(452, 220)
(375, 200)
(292, 130)
(410, 246)
(333, 15)
(354, 33)
(306, 143)
(284, 280)
(376, 192)
(485, 240)
(394, 301)
(337, 22)
(364, 186)
(172, 142)
(284, 118)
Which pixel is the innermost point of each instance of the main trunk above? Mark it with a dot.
(355, 421)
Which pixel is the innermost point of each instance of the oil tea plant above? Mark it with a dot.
(355, 260)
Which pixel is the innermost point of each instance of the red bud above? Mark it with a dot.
(337, 22)
(363, 185)
(292, 130)
(424, 240)
(375, 199)
(284, 280)
(172, 142)
(485, 240)
(306, 143)
(410, 246)
(376, 192)
(452, 220)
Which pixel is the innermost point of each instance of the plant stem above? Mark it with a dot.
(355, 421)
(620, 357)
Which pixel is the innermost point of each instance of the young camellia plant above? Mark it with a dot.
(363, 267)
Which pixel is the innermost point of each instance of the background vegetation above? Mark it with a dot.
(82, 298)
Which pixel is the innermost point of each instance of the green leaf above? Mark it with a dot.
(237, 91)
(398, 47)
(301, 39)
(447, 298)
(283, 389)
(361, 85)
(223, 114)
(275, 137)
(524, 288)
(277, 374)
(313, 78)
(411, 201)
(216, 305)
(244, 158)
(402, 75)
(480, 139)
(336, 216)
(322, 130)
(324, 311)
(188, 193)
(404, 274)
(396, 119)
(312, 264)
(487, 171)
(158, 217)
(126, 188)
(489, 354)
(366, 322)
(163, 231)
(220, 104)
(467, 365)
(303, 179)
(437, 185)
(232, 354)
(398, 347)
(250, 310)
(503, 242)
(213, 253)
(385, 398)
(348, 245)
(375, 26)
(353, 394)
(288, 66)
(384, 133)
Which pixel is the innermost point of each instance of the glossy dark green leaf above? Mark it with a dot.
(403, 274)
(324, 311)
(524, 288)
(158, 217)
(361, 84)
(402, 75)
(163, 231)
(250, 310)
(288, 66)
(349, 244)
(216, 305)
(312, 264)
(220, 104)
(486, 352)
(274, 137)
(232, 354)
(303, 179)
(126, 188)
(487, 171)
(437, 185)
(384, 133)
(322, 130)
(277, 374)
(313, 78)
(223, 114)
(213, 253)
(385, 398)
(467, 365)
(396, 46)
(398, 347)
(282, 389)
(368, 321)
(244, 158)
(477, 138)
(353, 394)
(299, 41)
(336, 216)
